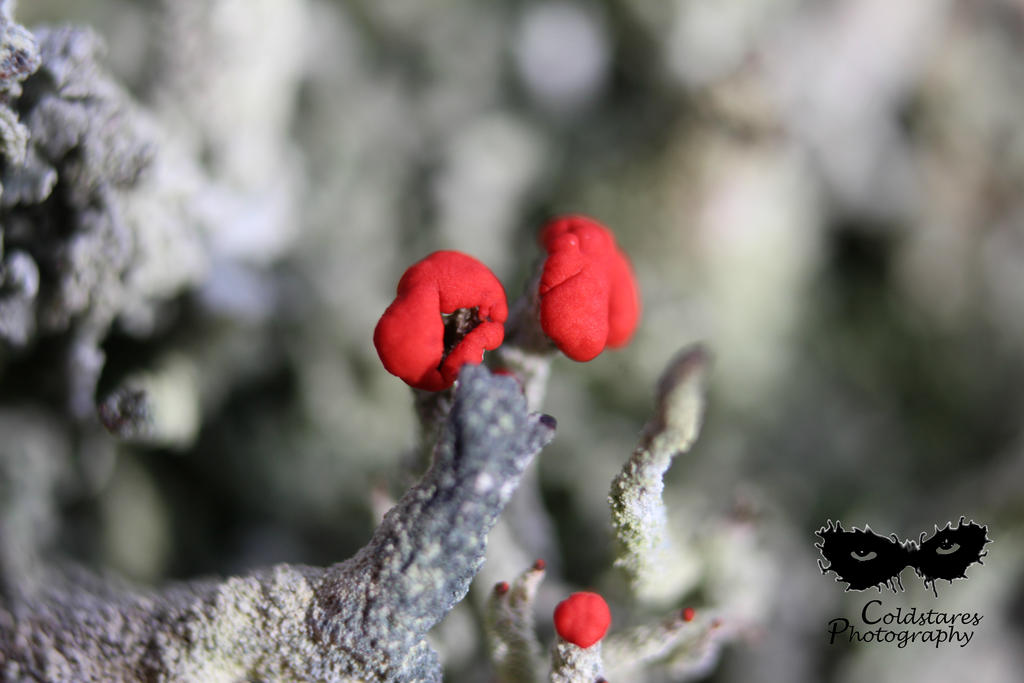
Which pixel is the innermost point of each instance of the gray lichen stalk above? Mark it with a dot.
(674, 638)
(362, 619)
(573, 664)
(515, 650)
(653, 564)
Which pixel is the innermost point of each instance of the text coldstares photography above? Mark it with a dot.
(901, 627)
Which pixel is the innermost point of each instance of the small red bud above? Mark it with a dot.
(583, 618)
(588, 292)
(689, 613)
(411, 337)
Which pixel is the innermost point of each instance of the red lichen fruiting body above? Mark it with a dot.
(583, 618)
(589, 297)
(410, 335)
(689, 613)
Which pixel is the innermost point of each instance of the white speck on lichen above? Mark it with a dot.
(484, 483)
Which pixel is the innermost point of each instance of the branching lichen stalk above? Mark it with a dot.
(362, 619)
(573, 664)
(673, 638)
(648, 557)
(515, 650)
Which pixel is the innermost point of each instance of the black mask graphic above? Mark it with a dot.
(863, 559)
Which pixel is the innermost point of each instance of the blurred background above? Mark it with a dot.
(829, 195)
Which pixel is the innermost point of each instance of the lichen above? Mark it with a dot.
(515, 649)
(155, 218)
(364, 619)
(657, 569)
(70, 208)
(688, 643)
(573, 664)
